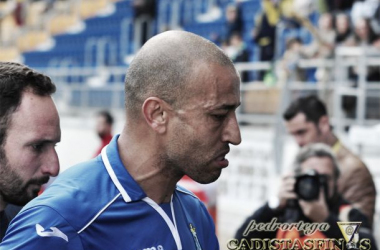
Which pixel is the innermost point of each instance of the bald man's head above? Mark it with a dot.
(164, 68)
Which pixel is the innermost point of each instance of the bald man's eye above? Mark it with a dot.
(219, 116)
(38, 147)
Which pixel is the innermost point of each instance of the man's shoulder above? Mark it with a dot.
(190, 200)
(353, 168)
(11, 211)
(40, 227)
(77, 194)
(88, 168)
(187, 194)
(347, 159)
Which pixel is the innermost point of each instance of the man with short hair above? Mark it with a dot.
(181, 95)
(29, 131)
(316, 171)
(307, 121)
(104, 122)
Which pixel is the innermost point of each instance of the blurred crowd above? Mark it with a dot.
(330, 23)
(19, 9)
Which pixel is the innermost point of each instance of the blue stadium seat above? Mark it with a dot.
(74, 45)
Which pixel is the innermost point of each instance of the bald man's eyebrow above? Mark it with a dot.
(228, 106)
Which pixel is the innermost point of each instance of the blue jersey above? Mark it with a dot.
(98, 205)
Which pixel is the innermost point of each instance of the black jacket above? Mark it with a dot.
(5, 218)
(293, 213)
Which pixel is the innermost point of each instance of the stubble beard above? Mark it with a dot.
(12, 188)
(197, 169)
(189, 160)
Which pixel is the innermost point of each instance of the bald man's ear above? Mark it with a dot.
(154, 113)
(324, 124)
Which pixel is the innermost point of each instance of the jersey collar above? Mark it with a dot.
(127, 186)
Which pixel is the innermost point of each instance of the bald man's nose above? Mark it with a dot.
(231, 132)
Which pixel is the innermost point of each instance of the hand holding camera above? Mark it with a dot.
(286, 190)
(310, 190)
(315, 210)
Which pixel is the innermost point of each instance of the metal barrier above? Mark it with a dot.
(330, 90)
(193, 9)
(80, 94)
(100, 46)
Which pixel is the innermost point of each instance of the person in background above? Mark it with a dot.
(342, 28)
(306, 119)
(364, 9)
(293, 54)
(364, 34)
(315, 163)
(324, 37)
(363, 37)
(264, 32)
(29, 131)
(144, 15)
(234, 23)
(104, 123)
(238, 52)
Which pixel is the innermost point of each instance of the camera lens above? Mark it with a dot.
(308, 188)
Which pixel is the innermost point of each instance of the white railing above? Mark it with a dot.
(80, 89)
(338, 84)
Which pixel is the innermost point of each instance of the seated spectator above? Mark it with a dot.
(363, 35)
(342, 28)
(234, 23)
(315, 172)
(323, 44)
(290, 60)
(324, 37)
(144, 14)
(264, 33)
(237, 51)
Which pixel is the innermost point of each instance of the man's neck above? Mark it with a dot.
(156, 187)
(148, 169)
(331, 139)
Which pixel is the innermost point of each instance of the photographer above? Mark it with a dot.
(307, 120)
(309, 195)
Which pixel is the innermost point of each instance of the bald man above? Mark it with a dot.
(181, 95)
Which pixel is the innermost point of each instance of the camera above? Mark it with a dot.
(308, 185)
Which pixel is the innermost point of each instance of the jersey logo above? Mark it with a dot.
(194, 232)
(55, 232)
